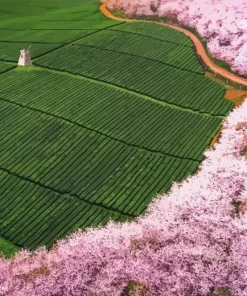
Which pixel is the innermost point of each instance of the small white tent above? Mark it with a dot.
(25, 59)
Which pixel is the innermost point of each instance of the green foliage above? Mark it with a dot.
(32, 216)
(5, 67)
(157, 80)
(155, 31)
(170, 53)
(133, 119)
(74, 160)
(52, 144)
(7, 249)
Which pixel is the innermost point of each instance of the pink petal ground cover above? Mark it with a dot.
(223, 23)
(190, 241)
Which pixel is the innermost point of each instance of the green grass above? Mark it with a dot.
(7, 248)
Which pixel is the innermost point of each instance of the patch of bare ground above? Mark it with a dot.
(135, 288)
(237, 97)
(37, 272)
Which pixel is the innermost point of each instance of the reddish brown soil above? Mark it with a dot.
(237, 97)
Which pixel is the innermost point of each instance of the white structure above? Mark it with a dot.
(25, 59)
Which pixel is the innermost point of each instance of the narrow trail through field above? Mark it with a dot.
(199, 47)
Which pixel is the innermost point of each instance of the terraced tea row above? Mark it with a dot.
(77, 161)
(5, 67)
(33, 216)
(179, 56)
(40, 41)
(155, 31)
(66, 36)
(152, 78)
(121, 115)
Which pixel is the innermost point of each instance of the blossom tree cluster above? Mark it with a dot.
(223, 23)
(192, 241)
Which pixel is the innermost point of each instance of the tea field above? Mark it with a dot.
(109, 115)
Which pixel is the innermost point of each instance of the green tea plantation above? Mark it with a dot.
(109, 115)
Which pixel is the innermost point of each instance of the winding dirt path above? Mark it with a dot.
(199, 47)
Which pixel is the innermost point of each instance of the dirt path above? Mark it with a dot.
(199, 47)
(236, 96)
